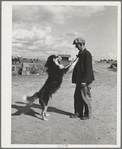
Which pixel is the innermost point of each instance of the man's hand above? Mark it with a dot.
(83, 84)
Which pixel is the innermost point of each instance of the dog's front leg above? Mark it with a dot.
(44, 114)
(71, 66)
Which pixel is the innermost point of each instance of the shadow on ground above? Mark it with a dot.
(28, 111)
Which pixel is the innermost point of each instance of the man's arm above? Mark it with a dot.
(71, 66)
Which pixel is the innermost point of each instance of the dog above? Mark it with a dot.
(55, 71)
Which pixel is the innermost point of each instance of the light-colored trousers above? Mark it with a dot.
(82, 101)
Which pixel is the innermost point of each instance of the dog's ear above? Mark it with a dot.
(49, 61)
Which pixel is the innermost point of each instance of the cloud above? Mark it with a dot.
(38, 14)
(30, 54)
(107, 55)
(34, 33)
(91, 10)
(47, 41)
(110, 55)
(32, 30)
(83, 11)
(19, 41)
(72, 33)
(17, 45)
(52, 13)
(37, 39)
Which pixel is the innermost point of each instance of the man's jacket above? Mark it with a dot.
(83, 71)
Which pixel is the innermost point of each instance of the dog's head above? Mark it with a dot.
(53, 61)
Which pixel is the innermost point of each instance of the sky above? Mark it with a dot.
(41, 30)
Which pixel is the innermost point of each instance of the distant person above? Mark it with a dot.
(82, 76)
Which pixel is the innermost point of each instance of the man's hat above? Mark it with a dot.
(79, 40)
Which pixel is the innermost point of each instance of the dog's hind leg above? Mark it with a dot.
(44, 113)
(44, 109)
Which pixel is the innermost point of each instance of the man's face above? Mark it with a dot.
(79, 46)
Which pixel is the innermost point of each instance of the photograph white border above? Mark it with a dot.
(6, 84)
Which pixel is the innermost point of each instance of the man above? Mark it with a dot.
(82, 76)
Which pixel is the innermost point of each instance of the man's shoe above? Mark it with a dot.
(74, 116)
(84, 117)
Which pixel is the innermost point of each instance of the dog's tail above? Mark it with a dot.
(30, 99)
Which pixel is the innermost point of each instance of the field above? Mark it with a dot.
(101, 129)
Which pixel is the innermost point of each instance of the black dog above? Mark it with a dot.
(55, 75)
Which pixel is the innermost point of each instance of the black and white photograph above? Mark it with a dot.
(61, 64)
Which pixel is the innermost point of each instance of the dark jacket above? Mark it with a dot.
(83, 71)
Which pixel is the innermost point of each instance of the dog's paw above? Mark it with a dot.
(47, 114)
(24, 98)
(45, 119)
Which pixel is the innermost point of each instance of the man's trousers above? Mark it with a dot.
(82, 101)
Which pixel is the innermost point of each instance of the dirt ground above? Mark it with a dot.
(29, 128)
